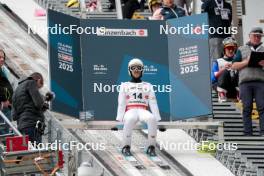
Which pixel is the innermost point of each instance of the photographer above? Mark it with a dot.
(29, 106)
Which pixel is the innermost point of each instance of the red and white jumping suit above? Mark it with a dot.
(135, 97)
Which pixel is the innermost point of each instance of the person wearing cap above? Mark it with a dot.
(155, 8)
(220, 18)
(251, 80)
(170, 10)
(223, 77)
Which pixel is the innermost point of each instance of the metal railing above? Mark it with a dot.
(9, 123)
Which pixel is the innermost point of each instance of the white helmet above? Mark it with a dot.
(135, 62)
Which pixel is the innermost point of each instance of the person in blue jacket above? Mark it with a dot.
(225, 79)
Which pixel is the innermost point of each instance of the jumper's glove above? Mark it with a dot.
(49, 96)
(45, 106)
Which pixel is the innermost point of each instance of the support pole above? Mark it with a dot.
(119, 9)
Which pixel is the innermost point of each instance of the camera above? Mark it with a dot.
(40, 127)
(50, 96)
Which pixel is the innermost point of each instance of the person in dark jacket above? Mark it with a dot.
(5, 108)
(170, 10)
(111, 5)
(220, 18)
(130, 6)
(186, 4)
(29, 106)
(6, 92)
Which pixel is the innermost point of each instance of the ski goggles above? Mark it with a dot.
(136, 67)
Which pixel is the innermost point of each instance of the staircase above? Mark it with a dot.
(60, 6)
(248, 159)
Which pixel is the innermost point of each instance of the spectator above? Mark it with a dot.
(220, 18)
(5, 75)
(5, 104)
(223, 77)
(29, 106)
(6, 91)
(187, 4)
(155, 8)
(142, 5)
(5, 108)
(129, 8)
(170, 10)
(251, 80)
(112, 5)
(94, 5)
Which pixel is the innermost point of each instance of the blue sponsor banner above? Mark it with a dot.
(189, 66)
(100, 65)
(105, 59)
(65, 64)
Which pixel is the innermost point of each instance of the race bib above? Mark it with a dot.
(137, 95)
